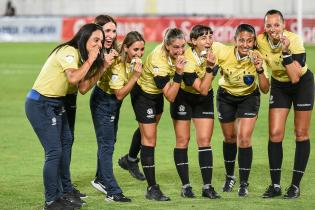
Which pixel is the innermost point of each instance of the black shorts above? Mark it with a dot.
(188, 105)
(231, 107)
(301, 94)
(146, 106)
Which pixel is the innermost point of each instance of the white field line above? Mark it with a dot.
(9, 69)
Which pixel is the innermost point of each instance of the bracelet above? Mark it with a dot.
(178, 78)
(261, 71)
(287, 60)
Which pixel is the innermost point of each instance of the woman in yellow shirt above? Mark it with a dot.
(77, 62)
(292, 83)
(164, 63)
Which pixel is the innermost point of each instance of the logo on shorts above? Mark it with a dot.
(150, 113)
(303, 105)
(181, 110)
(220, 116)
(112, 118)
(249, 114)
(271, 99)
(207, 113)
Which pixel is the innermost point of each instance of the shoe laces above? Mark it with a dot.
(156, 191)
(187, 190)
(229, 183)
(292, 190)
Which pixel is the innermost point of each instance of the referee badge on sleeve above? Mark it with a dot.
(155, 69)
(114, 77)
(69, 58)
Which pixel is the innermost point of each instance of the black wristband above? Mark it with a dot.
(287, 60)
(213, 70)
(177, 77)
(286, 53)
(261, 71)
(209, 69)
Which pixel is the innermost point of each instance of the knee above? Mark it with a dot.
(203, 142)
(244, 142)
(301, 134)
(276, 134)
(182, 142)
(230, 139)
(148, 141)
(53, 154)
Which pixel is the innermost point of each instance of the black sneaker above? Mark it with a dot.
(131, 166)
(243, 189)
(209, 192)
(99, 185)
(117, 198)
(229, 183)
(77, 193)
(75, 201)
(187, 191)
(272, 191)
(58, 204)
(154, 193)
(292, 192)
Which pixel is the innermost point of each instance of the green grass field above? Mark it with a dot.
(21, 155)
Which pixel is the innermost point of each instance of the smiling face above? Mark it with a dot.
(136, 50)
(176, 48)
(245, 41)
(110, 34)
(203, 42)
(274, 27)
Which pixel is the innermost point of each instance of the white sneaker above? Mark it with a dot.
(99, 186)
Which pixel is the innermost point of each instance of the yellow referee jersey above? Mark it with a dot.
(115, 77)
(52, 80)
(234, 72)
(273, 57)
(158, 63)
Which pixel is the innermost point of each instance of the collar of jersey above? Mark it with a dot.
(170, 62)
(274, 46)
(239, 58)
(200, 60)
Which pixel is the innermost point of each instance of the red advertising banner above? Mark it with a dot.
(153, 28)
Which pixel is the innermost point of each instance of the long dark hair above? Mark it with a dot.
(104, 19)
(79, 42)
